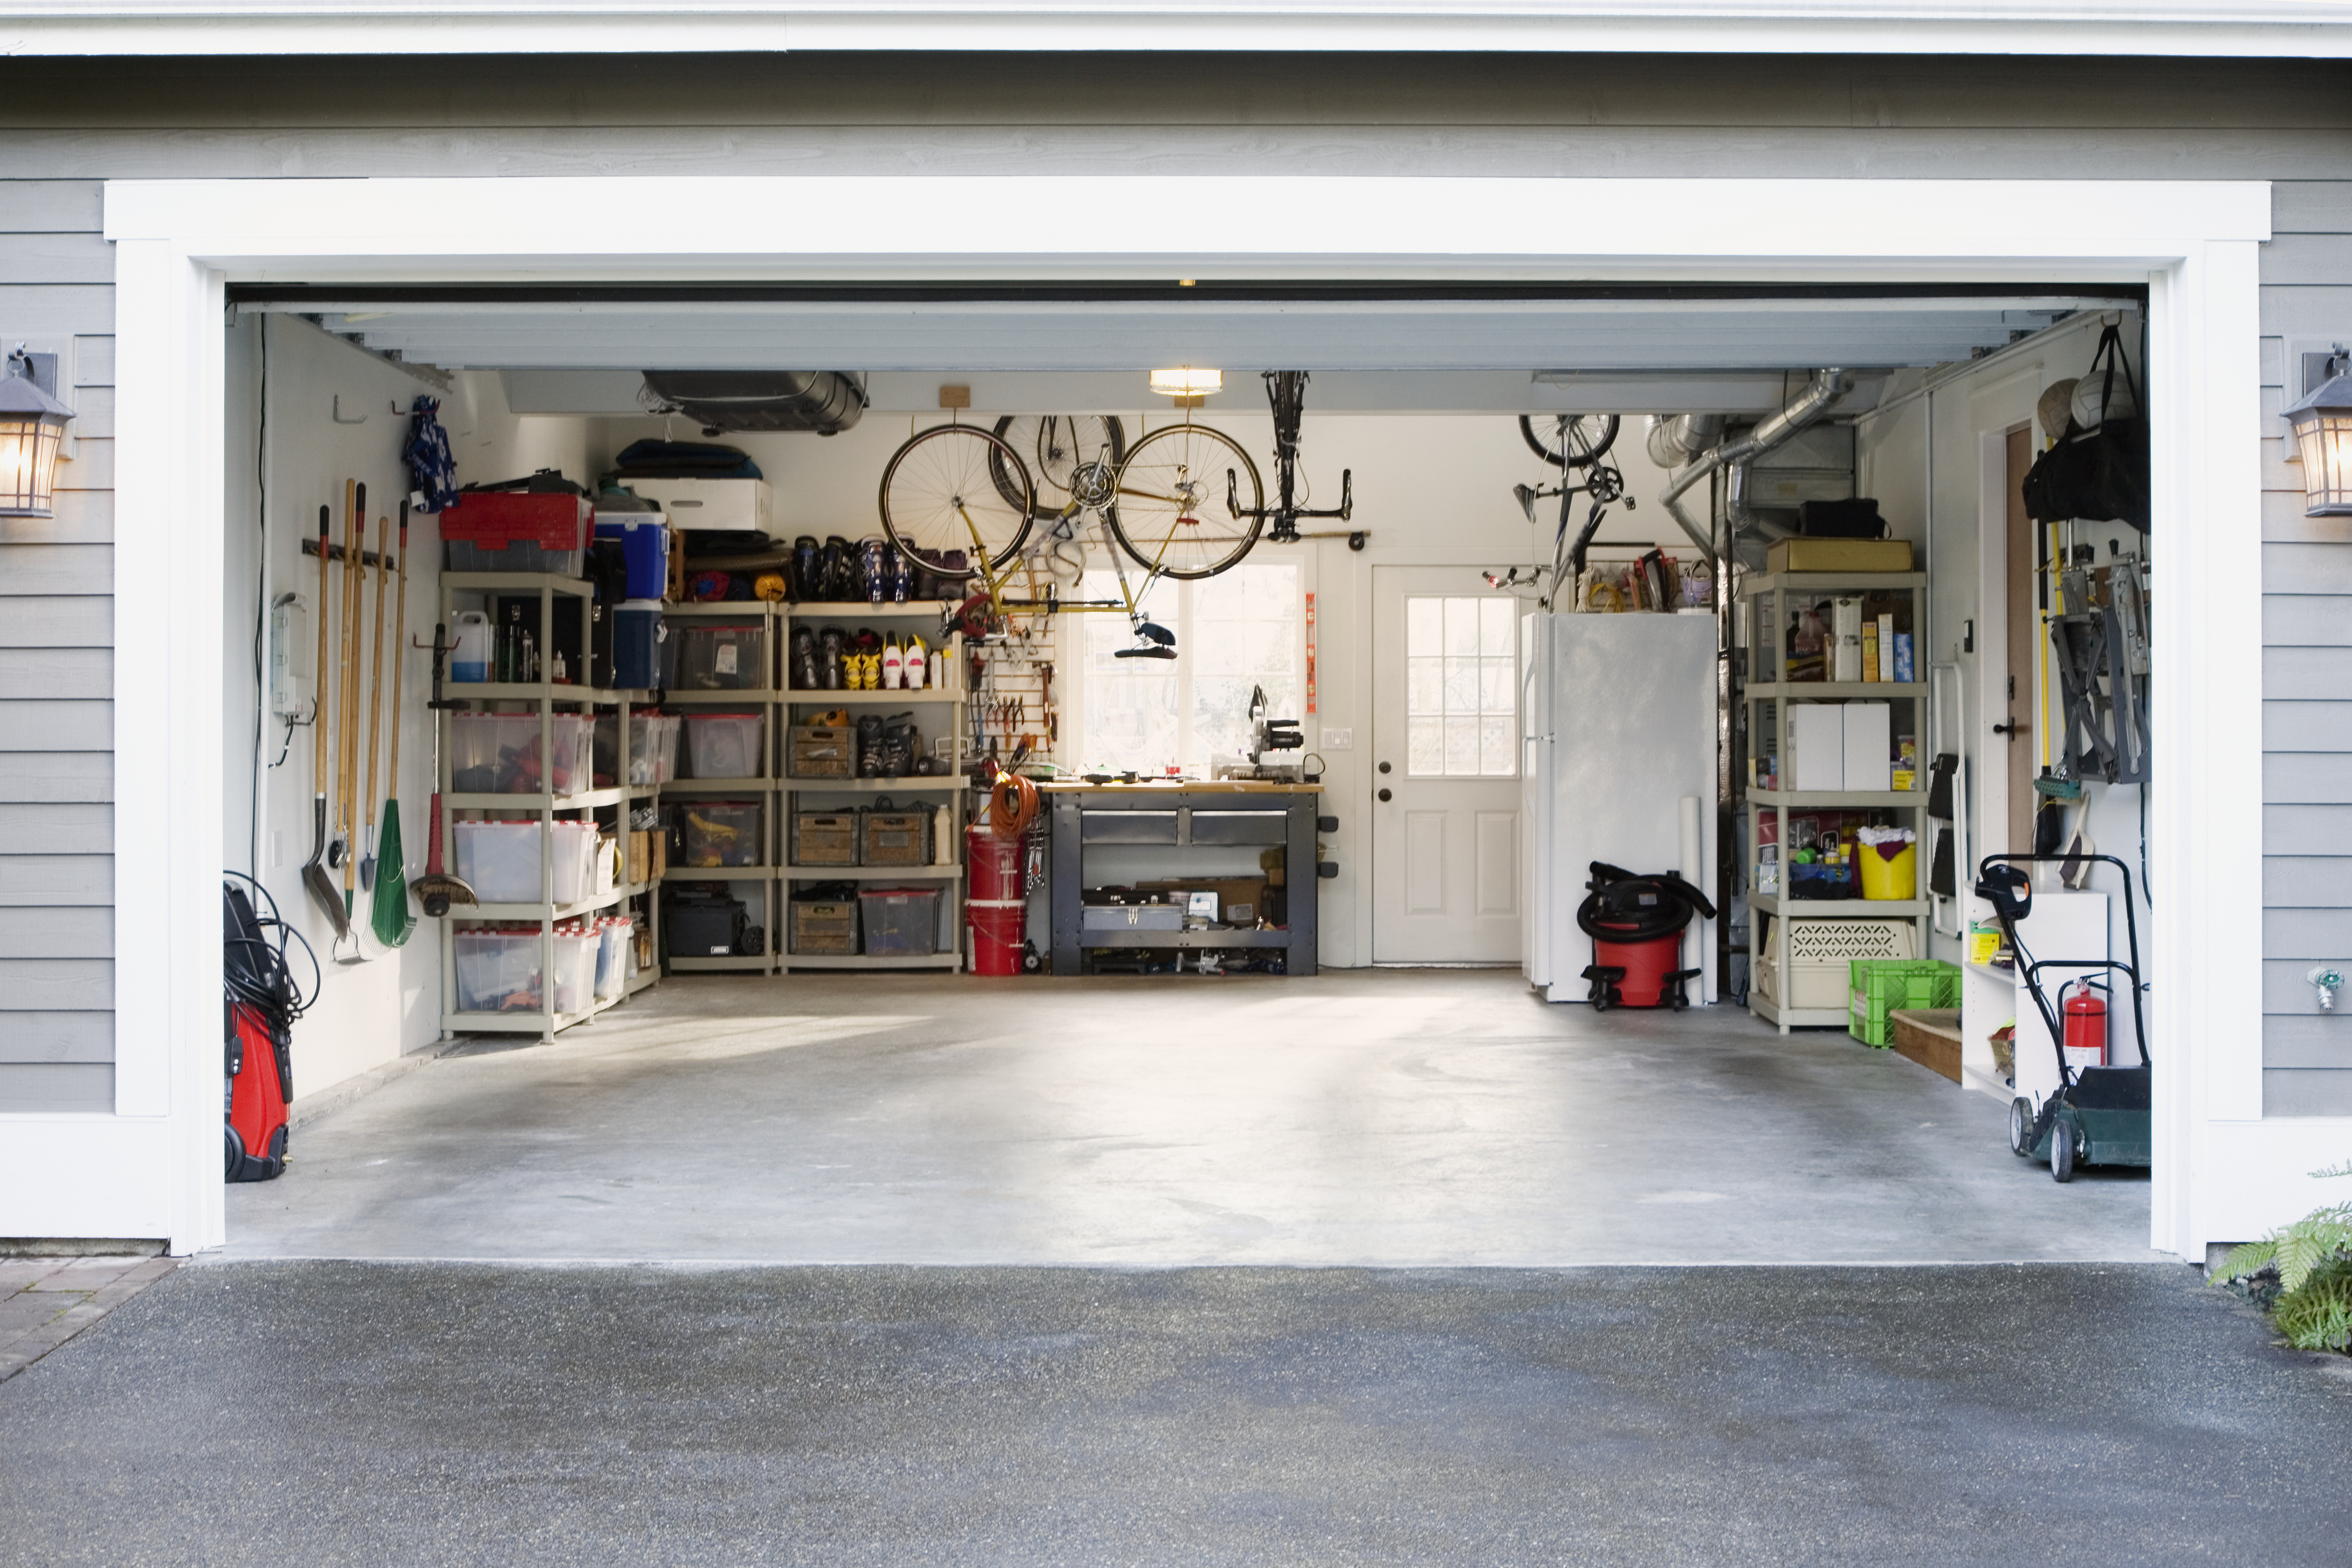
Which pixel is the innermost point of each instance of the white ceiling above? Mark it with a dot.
(1659, 353)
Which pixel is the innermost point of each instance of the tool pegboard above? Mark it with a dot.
(1014, 700)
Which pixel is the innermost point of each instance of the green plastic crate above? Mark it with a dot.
(1880, 986)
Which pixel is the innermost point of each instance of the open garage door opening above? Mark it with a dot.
(938, 724)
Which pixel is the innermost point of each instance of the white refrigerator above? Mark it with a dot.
(1619, 734)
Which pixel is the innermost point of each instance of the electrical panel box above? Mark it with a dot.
(290, 676)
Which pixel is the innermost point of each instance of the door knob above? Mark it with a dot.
(2012, 729)
(1384, 767)
(1384, 794)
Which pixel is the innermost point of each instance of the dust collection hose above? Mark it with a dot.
(1013, 805)
(1625, 907)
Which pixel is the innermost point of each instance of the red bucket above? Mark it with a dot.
(998, 908)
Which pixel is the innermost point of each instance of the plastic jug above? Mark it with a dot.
(469, 659)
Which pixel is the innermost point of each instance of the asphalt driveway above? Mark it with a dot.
(327, 1412)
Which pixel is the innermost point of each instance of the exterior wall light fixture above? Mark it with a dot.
(2322, 423)
(32, 424)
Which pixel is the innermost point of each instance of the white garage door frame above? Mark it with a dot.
(153, 1169)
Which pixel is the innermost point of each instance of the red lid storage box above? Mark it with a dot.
(513, 530)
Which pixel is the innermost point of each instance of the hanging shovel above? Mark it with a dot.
(393, 919)
(314, 875)
(375, 700)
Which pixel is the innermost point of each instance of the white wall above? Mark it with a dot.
(1429, 489)
(1936, 464)
(306, 458)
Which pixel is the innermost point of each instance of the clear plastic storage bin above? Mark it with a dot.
(576, 970)
(716, 655)
(614, 938)
(899, 922)
(497, 970)
(497, 753)
(725, 745)
(500, 860)
(721, 832)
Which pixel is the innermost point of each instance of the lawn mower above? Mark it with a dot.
(2099, 1115)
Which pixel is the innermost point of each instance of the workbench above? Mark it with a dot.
(1182, 814)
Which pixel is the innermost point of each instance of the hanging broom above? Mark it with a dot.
(393, 917)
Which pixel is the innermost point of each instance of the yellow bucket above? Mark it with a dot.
(1886, 878)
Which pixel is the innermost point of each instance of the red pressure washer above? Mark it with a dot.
(1636, 925)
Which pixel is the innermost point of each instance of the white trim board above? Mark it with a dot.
(2221, 1174)
(2316, 28)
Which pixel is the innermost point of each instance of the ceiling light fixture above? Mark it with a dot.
(1186, 381)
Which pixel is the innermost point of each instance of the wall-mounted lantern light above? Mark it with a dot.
(32, 424)
(2322, 422)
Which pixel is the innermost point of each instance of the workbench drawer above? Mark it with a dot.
(1240, 826)
(1127, 827)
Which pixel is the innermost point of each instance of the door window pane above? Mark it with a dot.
(1462, 685)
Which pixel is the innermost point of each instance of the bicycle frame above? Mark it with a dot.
(1286, 393)
(1606, 485)
(1152, 641)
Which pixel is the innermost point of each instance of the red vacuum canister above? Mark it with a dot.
(2085, 1025)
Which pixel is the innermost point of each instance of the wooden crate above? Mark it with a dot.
(821, 751)
(1930, 1037)
(824, 927)
(895, 838)
(824, 839)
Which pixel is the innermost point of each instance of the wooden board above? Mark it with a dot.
(1930, 1037)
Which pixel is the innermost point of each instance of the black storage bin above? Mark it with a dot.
(703, 925)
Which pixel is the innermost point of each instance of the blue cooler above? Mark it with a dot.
(645, 548)
(636, 644)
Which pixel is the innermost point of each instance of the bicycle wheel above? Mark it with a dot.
(1572, 441)
(1053, 446)
(1173, 514)
(940, 505)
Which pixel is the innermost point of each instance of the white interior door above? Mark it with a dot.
(1446, 829)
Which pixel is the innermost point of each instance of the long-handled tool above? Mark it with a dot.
(375, 700)
(393, 919)
(436, 889)
(347, 774)
(314, 875)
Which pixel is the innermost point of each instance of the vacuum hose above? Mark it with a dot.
(1625, 907)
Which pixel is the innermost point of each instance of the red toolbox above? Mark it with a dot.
(512, 531)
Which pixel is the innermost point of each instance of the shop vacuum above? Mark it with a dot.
(1636, 925)
(262, 1001)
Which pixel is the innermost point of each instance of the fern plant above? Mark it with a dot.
(2313, 1260)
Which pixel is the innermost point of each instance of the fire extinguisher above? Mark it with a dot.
(2085, 1025)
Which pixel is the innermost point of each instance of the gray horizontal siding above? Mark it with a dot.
(2306, 272)
(57, 1086)
(56, 678)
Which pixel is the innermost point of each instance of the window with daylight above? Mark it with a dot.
(1242, 628)
(1462, 686)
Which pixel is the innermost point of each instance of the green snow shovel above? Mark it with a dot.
(393, 919)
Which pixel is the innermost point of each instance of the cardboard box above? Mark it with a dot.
(1816, 746)
(1240, 899)
(1838, 555)
(1869, 737)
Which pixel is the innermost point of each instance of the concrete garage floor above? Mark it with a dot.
(331, 1414)
(1406, 1117)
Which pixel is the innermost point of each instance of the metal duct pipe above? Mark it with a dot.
(1821, 394)
(1676, 438)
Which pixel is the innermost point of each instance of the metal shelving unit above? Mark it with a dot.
(803, 793)
(1768, 599)
(546, 699)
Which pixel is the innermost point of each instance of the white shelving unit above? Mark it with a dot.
(763, 697)
(545, 699)
(949, 790)
(1769, 695)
